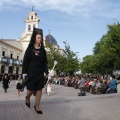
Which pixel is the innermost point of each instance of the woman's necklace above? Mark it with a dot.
(37, 53)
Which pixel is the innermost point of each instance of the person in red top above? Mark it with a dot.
(87, 85)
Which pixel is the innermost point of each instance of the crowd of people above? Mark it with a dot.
(6, 78)
(94, 84)
(10, 76)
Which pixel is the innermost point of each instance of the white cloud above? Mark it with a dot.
(105, 8)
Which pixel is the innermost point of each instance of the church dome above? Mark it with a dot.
(50, 39)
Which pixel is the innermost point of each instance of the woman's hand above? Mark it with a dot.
(23, 76)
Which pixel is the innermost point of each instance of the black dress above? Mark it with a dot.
(36, 66)
(5, 83)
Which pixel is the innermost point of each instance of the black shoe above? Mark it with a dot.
(39, 112)
(27, 104)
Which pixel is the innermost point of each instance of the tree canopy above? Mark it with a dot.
(68, 63)
(106, 53)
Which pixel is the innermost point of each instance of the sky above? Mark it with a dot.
(79, 22)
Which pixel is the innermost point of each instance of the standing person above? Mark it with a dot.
(34, 66)
(82, 86)
(18, 85)
(5, 83)
(49, 88)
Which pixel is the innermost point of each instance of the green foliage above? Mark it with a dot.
(68, 63)
(106, 53)
(72, 62)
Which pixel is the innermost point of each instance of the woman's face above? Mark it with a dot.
(38, 39)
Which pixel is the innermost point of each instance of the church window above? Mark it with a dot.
(3, 53)
(11, 56)
(31, 17)
(17, 57)
(29, 27)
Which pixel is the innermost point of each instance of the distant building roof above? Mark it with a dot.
(49, 38)
(13, 43)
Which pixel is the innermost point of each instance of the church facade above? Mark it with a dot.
(12, 51)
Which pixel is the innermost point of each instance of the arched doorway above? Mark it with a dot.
(17, 70)
(3, 69)
(10, 70)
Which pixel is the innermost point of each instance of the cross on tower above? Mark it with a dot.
(49, 31)
(33, 7)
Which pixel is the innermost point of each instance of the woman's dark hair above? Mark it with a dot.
(5, 75)
(33, 37)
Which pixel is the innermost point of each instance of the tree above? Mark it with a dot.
(68, 63)
(106, 52)
(72, 62)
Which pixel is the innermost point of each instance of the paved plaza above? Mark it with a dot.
(63, 104)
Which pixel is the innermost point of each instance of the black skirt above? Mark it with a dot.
(18, 86)
(35, 81)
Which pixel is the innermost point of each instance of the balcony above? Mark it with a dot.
(17, 62)
(10, 62)
(4, 59)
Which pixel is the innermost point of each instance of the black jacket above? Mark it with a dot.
(26, 60)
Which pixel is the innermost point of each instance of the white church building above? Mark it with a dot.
(12, 51)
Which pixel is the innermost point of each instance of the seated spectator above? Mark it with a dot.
(90, 84)
(93, 85)
(98, 87)
(103, 86)
(87, 85)
(107, 86)
(112, 85)
(77, 83)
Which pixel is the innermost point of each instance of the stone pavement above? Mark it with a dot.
(63, 104)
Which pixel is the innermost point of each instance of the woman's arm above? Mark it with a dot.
(25, 61)
(45, 64)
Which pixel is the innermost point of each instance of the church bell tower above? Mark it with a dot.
(31, 21)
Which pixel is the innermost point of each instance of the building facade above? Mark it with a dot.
(10, 56)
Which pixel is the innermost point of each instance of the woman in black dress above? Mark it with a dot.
(5, 83)
(34, 65)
